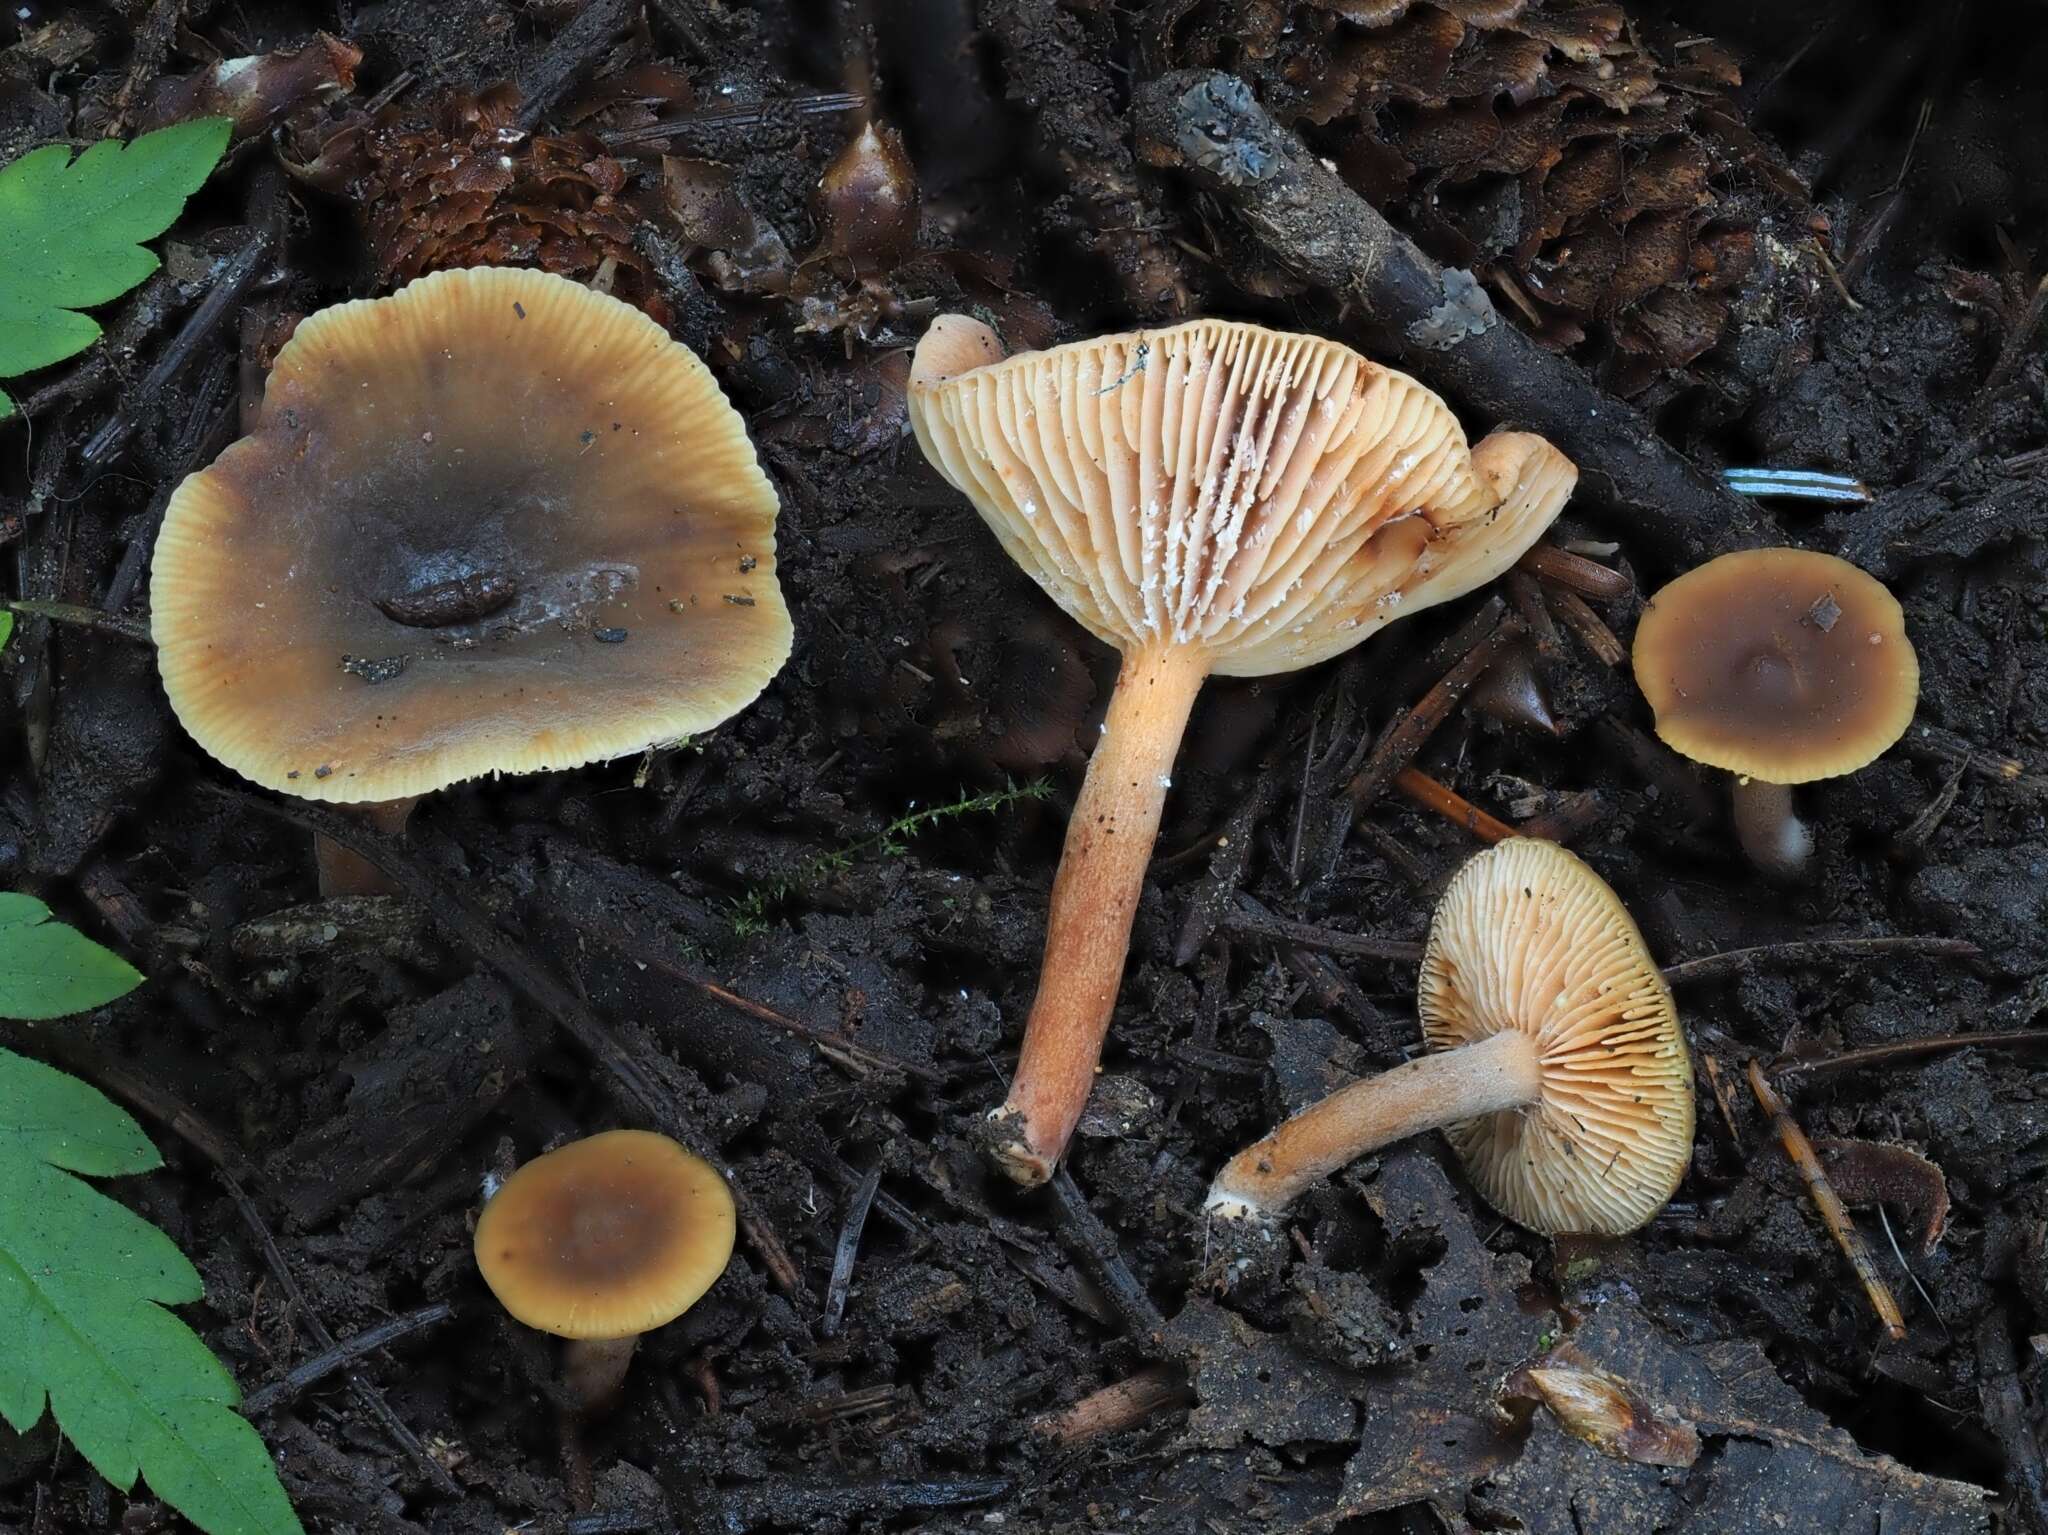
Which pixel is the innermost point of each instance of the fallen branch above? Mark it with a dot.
(1209, 125)
(323, 1364)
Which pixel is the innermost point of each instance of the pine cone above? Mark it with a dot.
(456, 183)
(1609, 191)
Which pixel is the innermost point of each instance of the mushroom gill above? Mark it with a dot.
(1211, 498)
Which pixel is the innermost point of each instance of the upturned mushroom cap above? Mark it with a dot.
(1273, 498)
(608, 1237)
(497, 522)
(1527, 937)
(1783, 665)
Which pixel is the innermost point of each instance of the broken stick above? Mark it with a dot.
(1209, 125)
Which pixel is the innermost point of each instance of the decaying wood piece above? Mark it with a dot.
(1208, 125)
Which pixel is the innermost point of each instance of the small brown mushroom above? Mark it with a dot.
(1556, 1066)
(495, 523)
(602, 1240)
(1210, 498)
(1782, 666)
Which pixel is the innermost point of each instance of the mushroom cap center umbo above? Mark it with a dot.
(1528, 938)
(1267, 497)
(606, 1237)
(494, 523)
(1779, 664)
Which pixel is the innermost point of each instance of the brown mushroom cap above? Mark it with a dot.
(1782, 665)
(1272, 498)
(608, 1237)
(536, 461)
(1527, 937)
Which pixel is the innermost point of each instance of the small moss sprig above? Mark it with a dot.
(750, 914)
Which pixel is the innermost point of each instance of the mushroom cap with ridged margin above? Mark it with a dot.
(495, 523)
(1782, 665)
(606, 1237)
(1528, 937)
(1271, 497)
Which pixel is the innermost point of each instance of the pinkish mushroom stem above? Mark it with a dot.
(1502, 1071)
(345, 873)
(1768, 826)
(1094, 899)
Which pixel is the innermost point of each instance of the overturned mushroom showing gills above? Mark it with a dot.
(1210, 498)
(1782, 666)
(495, 523)
(602, 1240)
(1556, 1066)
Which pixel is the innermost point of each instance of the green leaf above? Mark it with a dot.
(83, 1284)
(6, 614)
(73, 229)
(48, 970)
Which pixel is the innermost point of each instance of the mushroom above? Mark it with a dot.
(494, 523)
(602, 1240)
(1782, 666)
(1555, 1067)
(1210, 498)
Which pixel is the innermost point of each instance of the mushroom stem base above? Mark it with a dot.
(594, 1371)
(1768, 826)
(1502, 1071)
(1094, 899)
(345, 873)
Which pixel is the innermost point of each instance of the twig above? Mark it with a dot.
(734, 115)
(366, 1395)
(1906, 1050)
(1089, 1239)
(1210, 126)
(1451, 805)
(1526, 593)
(2015, 346)
(1569, 818)
(1712, 1068)
(463, 921)
(312, 1371)
(1590, 627)
(1933, 743)
(1575, 573)
(1245, 923)
(1399, 743)
(133, 630)
(1801, 1154)
(1912, 840)
(1811, 951)
(849, 1246)
(236, 278)
(1114, 1408)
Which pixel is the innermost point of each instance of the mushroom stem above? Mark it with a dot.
(594, 1371)
(1502, 1071)
(1094, 899)
(1769, 828)
(345, 873)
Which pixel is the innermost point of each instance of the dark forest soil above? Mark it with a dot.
(824, 985)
